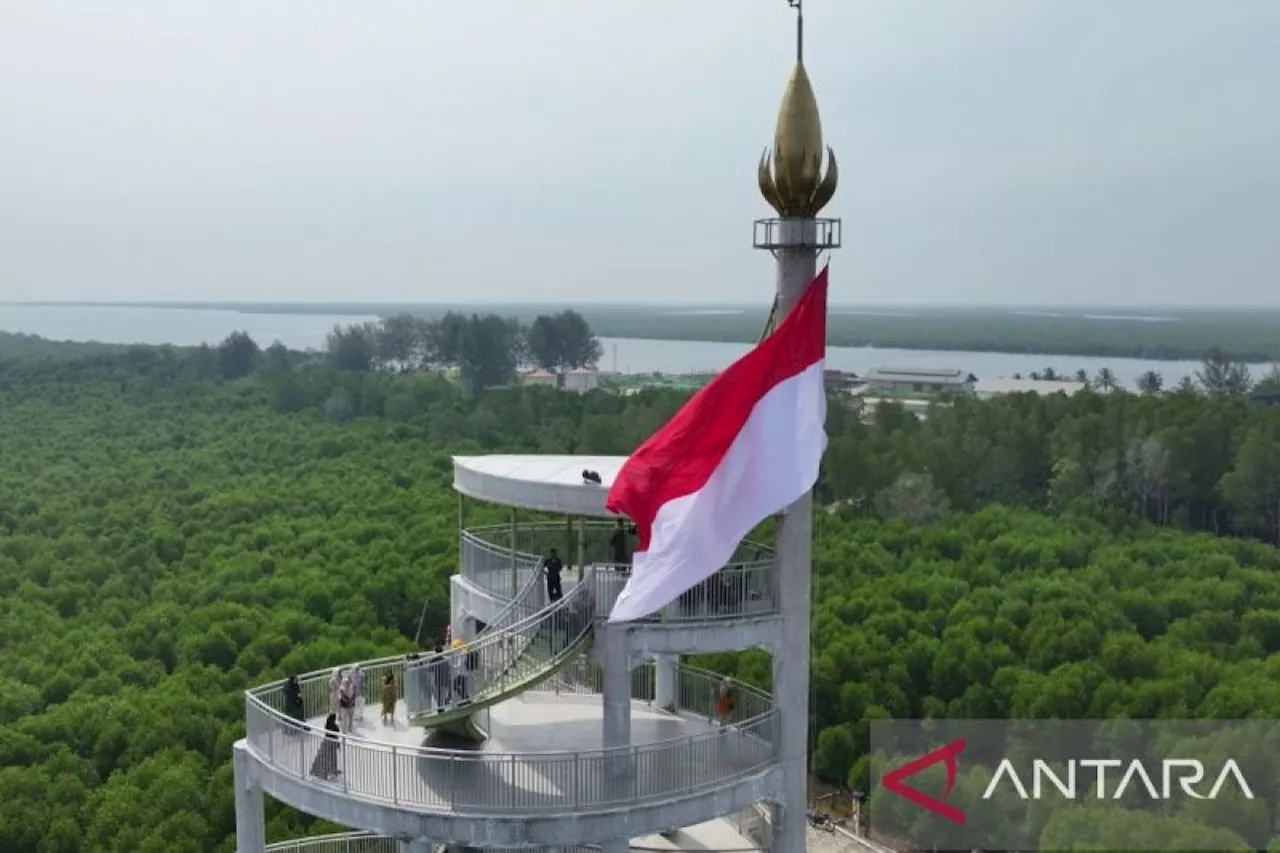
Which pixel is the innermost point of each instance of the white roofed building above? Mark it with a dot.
(988, 388)
(918, 379)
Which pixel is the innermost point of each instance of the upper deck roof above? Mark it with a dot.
(538, 482)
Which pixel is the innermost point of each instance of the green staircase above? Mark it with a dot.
(498, 665)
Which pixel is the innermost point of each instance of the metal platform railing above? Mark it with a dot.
(498, 664)
(747, 586)
(427, 779)
(339, 842)
(363, 842)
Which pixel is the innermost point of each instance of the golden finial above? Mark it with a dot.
(796, 185)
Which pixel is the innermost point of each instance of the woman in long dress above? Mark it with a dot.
(347, 705)
(335, 684)
(326, 763)
(293, 704)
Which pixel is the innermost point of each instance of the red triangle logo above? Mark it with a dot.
(893, 781)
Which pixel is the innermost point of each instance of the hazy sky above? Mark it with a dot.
(1071, 151)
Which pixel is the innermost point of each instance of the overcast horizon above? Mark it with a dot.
(920, 309)
(1116, 155)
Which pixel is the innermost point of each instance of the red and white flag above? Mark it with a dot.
(744, 448)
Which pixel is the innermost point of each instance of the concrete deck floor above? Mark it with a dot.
(530, 723)
(535, 721)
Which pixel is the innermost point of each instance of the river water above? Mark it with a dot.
(189, 327)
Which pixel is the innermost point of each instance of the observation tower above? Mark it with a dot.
(544, 726)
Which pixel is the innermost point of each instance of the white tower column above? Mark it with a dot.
(795, 184)
(251, 818)
(666, 669)
(617, 716)
(796, 269)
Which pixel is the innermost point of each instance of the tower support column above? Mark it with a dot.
(617, 719)
(666, 671)
(251, 818)
(796, 269)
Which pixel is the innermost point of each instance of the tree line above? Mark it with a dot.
(168, 539)
(485, 349)
(1220, 374)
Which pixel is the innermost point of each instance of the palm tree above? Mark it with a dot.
(1106, 381)
(1150, 383)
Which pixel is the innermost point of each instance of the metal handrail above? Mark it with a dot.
(490, 534)
(338, 842)
(434, 779)
(525, 602)
(746, 587)
(498, 659)
(365, 842)
(501, 574)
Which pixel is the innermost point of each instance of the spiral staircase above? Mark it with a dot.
(544, 727)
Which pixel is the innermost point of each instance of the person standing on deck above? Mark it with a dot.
(552, 566)
(293, 704)
(357, 680)
(724, 702)
(326, 762)
(389, 699)
(440, 677)
(619, 553)
(335, 683)
(347, 705)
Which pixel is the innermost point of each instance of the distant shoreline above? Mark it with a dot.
(1157, 333)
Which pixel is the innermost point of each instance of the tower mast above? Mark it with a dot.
(793, 181)
(798, 5)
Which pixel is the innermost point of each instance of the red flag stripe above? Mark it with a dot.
(678, 459)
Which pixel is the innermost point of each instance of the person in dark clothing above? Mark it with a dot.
(438, 666)
(552, 566)
(293, 699)
(618, 545)
(326, 764)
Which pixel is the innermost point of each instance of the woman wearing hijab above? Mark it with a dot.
(326, 764)
(293, 705)
(347, 705)
(389, 700)
(335, 684)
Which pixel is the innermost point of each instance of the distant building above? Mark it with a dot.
(580, 380)
(540, 377)
(988, 388)
(839, 380)
(883, 379)
(698, 378)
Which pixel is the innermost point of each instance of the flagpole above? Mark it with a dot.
(792, 181)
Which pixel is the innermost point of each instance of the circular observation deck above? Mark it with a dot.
(735, 608)
(743, 832)
(537, 779)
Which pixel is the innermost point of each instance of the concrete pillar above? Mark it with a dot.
(251, 818)
(617, 702)
(796, 269)
(582, 548)
(667, 672)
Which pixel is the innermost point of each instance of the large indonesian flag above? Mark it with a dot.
(743, 449)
